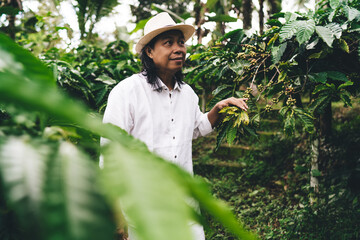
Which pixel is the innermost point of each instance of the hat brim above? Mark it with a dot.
(187, 30)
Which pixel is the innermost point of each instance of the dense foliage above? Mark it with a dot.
(312, 55)
(90, 72)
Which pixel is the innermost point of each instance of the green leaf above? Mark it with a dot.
(288, 30)
(344, 46)
(19, 61)
(202, 72)
(133, 179)
(211, 3)
(352, 13)
(73, 196)
(320, 103)
(318, 77)
(325, 34)
(334, 4)
(334, 75)
(231, 135)
(222, 18)
(335, 29)
(277, 52)
(222, 88)
(345, 97)
(220, 95)
(140, 25)
(306, 119)
(289, 124)
(305, 30)
(320, 88)
(22, 170)
(222, 133)
(284, 110)
(238, 66)
(289, 16)
(346, 84)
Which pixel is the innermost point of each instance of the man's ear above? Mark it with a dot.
(148, 51)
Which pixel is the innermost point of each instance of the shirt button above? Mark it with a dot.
(175, 156)
(172, 119)
(174, 137)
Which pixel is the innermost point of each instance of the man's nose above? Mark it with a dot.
(179, 48)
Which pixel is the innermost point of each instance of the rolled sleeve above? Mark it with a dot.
(203, 126)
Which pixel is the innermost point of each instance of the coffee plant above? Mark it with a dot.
(302, 56)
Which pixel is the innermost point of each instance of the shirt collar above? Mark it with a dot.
(163, 86)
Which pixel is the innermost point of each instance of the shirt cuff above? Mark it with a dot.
(205, 126)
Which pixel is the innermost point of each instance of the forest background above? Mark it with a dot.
(287, 169)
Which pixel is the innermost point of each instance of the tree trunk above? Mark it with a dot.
(314, 181)
(11, 18)
(261, 16)
(247, 14)
(319, 148)
(275, 6)
(203, 100)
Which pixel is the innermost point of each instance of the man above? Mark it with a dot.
(156, 106)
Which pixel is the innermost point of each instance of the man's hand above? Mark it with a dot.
(214, 114)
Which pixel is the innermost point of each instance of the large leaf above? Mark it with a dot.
(335, 29)
(305, 30)
(133, 180)
(15, 59)
(74, 207)
(288, 30)
(22, 170)
(325, 34)
(352, 13)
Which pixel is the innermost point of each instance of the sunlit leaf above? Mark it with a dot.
(325, 34)
(305, 30)
(335, 29)
(288, 30)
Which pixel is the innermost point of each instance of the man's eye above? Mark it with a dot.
(168, 42)
(182, 42)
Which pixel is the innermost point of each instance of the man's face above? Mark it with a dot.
(169, 51)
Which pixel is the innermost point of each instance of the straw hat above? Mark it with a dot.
(160, 23)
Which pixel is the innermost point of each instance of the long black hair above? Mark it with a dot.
(149, 68)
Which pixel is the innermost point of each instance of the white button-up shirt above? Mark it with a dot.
(165, 121)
